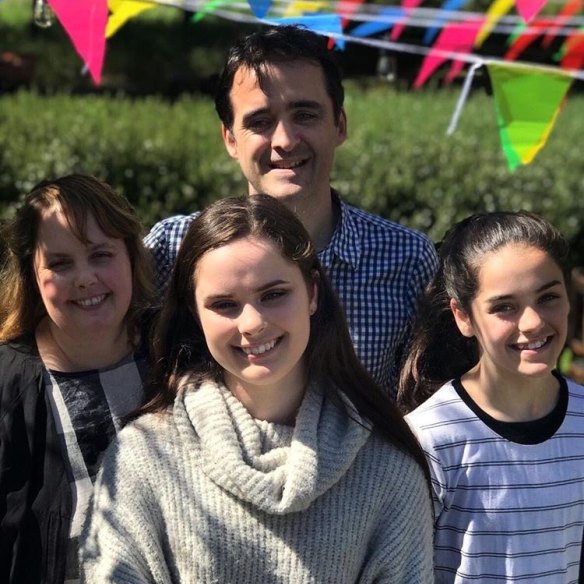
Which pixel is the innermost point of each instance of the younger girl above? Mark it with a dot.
(269, 455)
(504, 437)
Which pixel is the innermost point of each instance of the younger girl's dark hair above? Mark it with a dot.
(179, 348)
(438, 351)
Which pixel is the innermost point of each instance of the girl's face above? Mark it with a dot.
(86, 289)
(254, 307)
(519, 314)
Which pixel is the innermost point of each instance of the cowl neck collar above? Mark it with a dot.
(278, 469)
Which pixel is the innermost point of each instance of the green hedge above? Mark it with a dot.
(168, 157)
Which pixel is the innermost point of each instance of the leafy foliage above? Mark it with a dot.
(168, 158)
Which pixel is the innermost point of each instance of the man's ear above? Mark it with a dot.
(342, 127)
(229, 141)
(462, 319)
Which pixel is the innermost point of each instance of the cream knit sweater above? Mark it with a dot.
(208, 494)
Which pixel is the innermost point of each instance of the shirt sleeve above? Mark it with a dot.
(402, 550)
(121, 540)
(164, 241)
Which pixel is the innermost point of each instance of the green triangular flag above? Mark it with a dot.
(527, 102)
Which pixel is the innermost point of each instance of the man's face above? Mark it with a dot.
(284, 136)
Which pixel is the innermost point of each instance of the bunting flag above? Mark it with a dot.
(448, 7)
(85, 22)
(122, 11)
(347, 9)
(572, 51)
(388, 17)
(496, 10)
(456, 37)
(260, 7)
(527, 104)
(406, 5)
(529, 9)
(527, 37)
(324, 24)
(208, 8)
(570, 8)
(300, 7)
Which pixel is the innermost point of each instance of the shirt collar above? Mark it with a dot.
(345, 242)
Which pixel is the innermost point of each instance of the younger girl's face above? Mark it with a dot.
(254, 307)
(519, 314)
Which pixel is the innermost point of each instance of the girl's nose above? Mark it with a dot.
(530, 320)
(251, 321)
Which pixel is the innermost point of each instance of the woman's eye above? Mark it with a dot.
(58, 265)
(102, 255)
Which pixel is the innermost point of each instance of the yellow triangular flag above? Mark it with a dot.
(122, 11)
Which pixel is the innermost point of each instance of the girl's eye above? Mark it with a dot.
(501, 308)
(548, 298)
(274, 295)
(223, 305)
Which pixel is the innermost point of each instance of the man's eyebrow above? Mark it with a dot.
(252, 114)
(305, 103)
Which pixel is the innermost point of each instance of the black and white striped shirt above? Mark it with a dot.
(509, 497)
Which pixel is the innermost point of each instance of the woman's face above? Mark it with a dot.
(86, 289)
(254, 307)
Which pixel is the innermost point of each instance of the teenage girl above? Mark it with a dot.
(269, 455)
(504, 434)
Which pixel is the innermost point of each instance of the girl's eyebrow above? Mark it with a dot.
(543, 288)
(262, 288)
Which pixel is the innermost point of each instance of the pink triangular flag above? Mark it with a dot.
(85, 22)
(529, 9)
(458, 37)
(399, 27)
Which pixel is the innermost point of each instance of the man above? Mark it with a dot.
(280, 101)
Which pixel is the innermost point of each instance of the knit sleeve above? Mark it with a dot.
(121, 540)
(401, 549)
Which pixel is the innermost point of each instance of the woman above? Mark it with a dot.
(268, 454)
(73, 294)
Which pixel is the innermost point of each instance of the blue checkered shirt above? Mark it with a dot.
(377, 267)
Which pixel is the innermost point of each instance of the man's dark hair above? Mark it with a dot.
(274, 45)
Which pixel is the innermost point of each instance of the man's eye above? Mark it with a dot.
(258, 125)
(306, 116)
